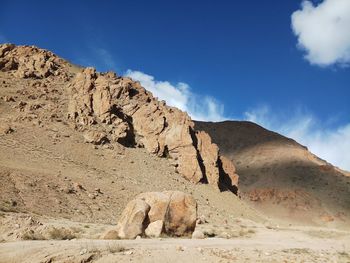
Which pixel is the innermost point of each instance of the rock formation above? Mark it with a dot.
(171, 213)
(111, 109)
(29, 61)
(130, 115)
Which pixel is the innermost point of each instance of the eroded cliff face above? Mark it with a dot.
(112, 109)
(126, 113)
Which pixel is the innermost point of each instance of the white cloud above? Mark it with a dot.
(105, 57)
(99, 57)
(179, 95)
(323, 31)
(331, 144)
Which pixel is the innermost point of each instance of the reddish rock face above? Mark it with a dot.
(131, 115)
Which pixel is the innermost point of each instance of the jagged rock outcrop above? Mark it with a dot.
(230, 177)
(130, 115)
(171, 213)
(29, 61)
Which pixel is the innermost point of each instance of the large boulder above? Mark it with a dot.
(132, 220)
(170, 213)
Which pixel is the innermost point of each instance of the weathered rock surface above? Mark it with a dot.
(29, 61)
(198, 234)
(95, 137)
(111, 234)
(230, 178)
(172, 213)
(131, 223)
(176, 209)
(154, 229)
(129, 114)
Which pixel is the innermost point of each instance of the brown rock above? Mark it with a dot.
(95, 137)
(228, 177)
(131, 223)
(5, 128)
(209, 153)
(9, 99)
(111, 234)
(29, 61)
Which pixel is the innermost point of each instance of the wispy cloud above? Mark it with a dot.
(199, 107)
(99, 58)
(323, 31)
(105, 58)
(331, 144)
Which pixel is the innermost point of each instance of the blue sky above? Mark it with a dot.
(218, 60)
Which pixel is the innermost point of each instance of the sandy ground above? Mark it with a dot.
(267, 245)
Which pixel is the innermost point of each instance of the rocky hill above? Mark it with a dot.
(89, 142)
(280, 177)
(112, 109)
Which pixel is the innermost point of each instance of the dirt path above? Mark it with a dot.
(307, 245)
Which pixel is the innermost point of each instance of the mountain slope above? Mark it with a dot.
(280, 177)
(53, 162)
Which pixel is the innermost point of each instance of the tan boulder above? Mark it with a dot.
(158, 202)
(154, 229)
(198, 234)
(111, 234)
(181, 215)
(171, 213)
(176, 209)
(132, 221)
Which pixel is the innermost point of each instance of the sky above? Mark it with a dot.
(283, 64)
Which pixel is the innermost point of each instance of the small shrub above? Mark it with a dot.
(32, 235)
(251, 231)
(115, 248)
(61, 234)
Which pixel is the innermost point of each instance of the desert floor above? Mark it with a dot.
(267, 244)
